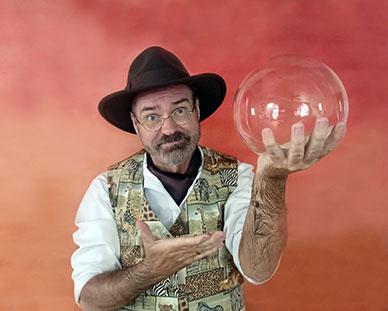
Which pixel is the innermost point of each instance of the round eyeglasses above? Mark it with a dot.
(153, 122)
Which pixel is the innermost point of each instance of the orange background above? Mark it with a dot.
(58, 58)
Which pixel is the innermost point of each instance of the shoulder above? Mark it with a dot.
(215, 160)
(131, 162)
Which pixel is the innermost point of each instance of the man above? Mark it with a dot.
(176, 226)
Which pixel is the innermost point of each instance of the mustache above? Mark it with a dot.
(177, 136)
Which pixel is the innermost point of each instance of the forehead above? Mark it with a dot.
(161, 98)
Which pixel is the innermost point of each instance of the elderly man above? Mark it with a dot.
(178, 226)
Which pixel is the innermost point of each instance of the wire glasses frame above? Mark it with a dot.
(180, 115)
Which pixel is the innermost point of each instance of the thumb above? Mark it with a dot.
(145, 232)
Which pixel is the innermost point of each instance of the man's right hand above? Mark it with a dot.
(112, 290)
(165, 257)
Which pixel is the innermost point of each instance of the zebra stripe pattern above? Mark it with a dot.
(166, 288)
(229, 177)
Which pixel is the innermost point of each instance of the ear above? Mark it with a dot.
(134, 122)
(197, 107)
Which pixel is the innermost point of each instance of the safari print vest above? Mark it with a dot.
(211, 283)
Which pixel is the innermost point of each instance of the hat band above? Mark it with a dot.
(153, 78)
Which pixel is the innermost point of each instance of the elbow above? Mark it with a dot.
(261, 273)
(260, 277)
(89, 307)
(86, 306)
(86, 303)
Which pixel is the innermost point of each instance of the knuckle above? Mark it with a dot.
(296, 157)
(273, 154)
(319, 138)
(270, 145)
(313, 152)
(297, 139)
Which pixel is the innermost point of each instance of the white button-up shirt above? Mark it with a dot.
(97, 237)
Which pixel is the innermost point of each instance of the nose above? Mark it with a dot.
(168, 126)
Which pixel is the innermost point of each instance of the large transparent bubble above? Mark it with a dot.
(289, 89)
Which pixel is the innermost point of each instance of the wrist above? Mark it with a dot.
(269, 189)
(271, 174)
(266, 169)
(139, 275)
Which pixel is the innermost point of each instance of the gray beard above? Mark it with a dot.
(176, 154)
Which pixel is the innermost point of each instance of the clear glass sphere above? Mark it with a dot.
(288, 90)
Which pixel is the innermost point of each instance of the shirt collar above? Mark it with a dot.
(152, 182)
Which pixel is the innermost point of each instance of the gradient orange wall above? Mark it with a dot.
(58, 58)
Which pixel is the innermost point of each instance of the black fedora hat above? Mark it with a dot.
(153, 68)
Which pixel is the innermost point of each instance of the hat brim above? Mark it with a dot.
(210, 89)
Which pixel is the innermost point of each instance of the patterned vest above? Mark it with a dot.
(212, 283)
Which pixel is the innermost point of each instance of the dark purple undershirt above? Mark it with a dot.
(177, 184)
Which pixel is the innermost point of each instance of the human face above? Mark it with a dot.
(172, 146)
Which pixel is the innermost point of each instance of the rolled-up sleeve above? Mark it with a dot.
(97, 238)
(236, 208)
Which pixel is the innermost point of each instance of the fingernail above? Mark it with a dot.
(322, 121)
(298, 128)
(266, 132)
(341, 126)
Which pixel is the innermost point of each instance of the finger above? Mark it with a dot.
(317, 140)
(188, 249)
(296, 152)
(185, 243)
(274, 151)
(203, 252)
(334, 138)
(204, 240)
(145, 232)
(193, 246)
(214, 239)
(208, 252)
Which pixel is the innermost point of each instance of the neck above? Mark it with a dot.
(180, 168)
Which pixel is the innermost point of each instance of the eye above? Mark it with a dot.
(151, 118)
(180, 111)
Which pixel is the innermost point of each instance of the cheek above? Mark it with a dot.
(195, 129)
(191, 127)
(145, 138)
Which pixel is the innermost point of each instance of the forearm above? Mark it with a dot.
(265, 229)
(112, 290)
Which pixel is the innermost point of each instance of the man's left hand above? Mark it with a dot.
(279, 162)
